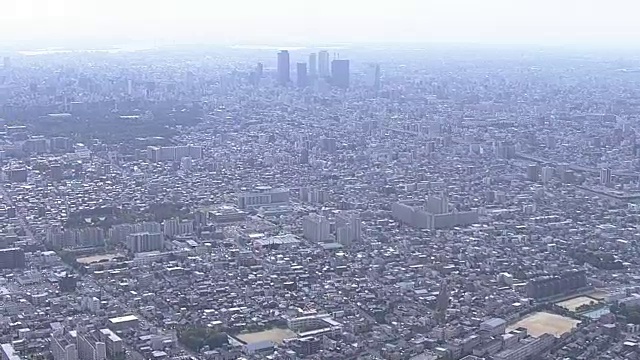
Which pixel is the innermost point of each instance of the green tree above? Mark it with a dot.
(196, 338)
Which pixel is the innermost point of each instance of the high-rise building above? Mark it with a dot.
(113, 343)
(505, 150)
(373, 77)
(284, 67)
(171, 227)
(316, 228)
(323, 64)
(547, 286)
(442, 303)
(6, 61)
(348, 227)
(313, 65)
(90, 347)
(438, 204)
(533, 172)
(259, 70)
(340, 73)
(304, 156)
(12, 258)
(605, 176)
(302, 80)
(547, 174)
(67, 283)
(63, 347)
(144, 242)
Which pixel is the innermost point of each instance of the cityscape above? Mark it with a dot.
(438, 202)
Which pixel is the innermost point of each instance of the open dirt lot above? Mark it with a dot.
(96, 258)
(275, 335)
(573, 304)
(544, 322)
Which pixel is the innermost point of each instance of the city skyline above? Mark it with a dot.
(325, 201)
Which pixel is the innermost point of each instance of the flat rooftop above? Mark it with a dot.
(123, 319)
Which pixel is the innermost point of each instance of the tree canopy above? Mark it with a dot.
(196, 338)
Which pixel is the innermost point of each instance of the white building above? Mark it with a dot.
(114, 344)
(63, 349)
(263, 196)
(605, 176)
(119, 233)
(9, 353)
(348, 227)
(171, 227)
(90, 347)
(91, 303)
(145, 241)
(173, 153)
(316, 228)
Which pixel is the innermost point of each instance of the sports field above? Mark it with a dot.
(96, 258)
(275, 335)
(576, 302)
(546, 323)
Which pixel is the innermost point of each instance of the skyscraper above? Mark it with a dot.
(605, 176)
(323, 63)
(301, 69)
(373, 77)
(340, 73)
(313, 65)
(283, 67)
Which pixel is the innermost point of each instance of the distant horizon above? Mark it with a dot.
(115, 47)
(29, 24)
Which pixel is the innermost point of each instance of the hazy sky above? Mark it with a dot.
(313, 21)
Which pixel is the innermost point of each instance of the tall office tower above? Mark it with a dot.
(605, 176)
(442, 303)
(373, 77)
(259, 70)
(533, 172)
(284, 67)
(323, 64)
(340, 73)
(313, 65)
(6, 61)
(303, 79)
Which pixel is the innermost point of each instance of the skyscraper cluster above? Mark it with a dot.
(319, 66)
